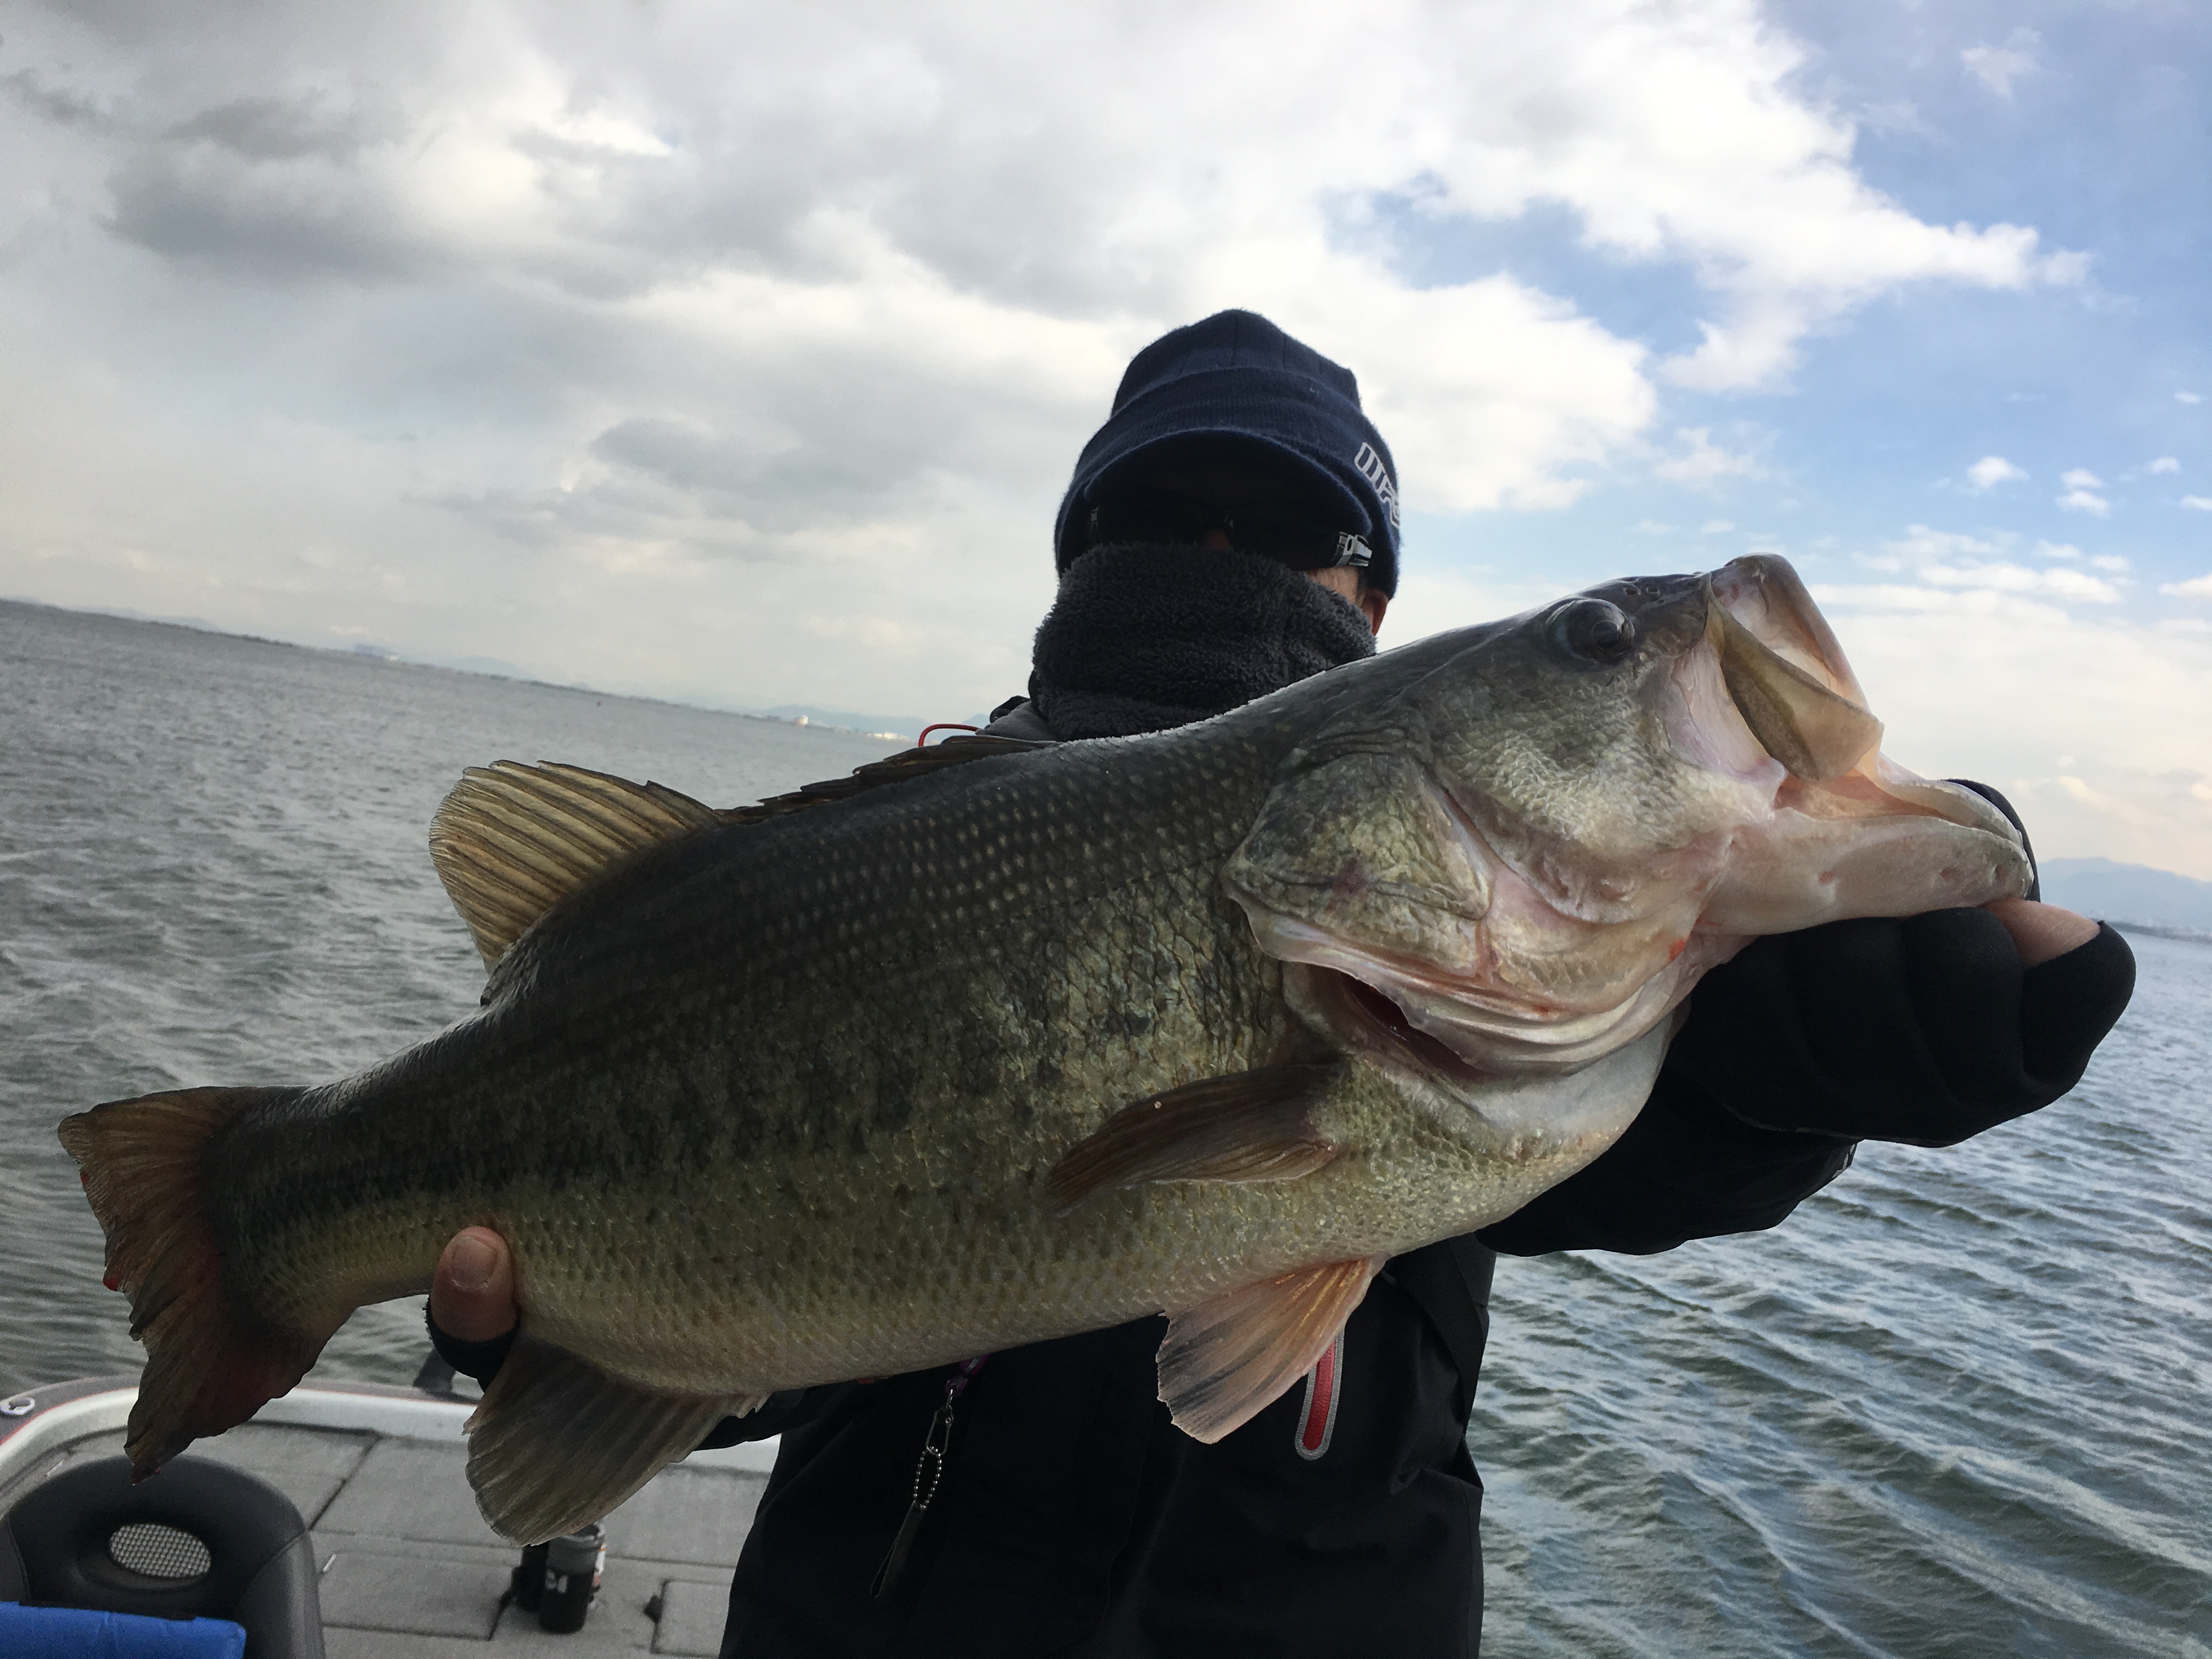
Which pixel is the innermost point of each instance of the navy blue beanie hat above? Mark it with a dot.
(1237, 381)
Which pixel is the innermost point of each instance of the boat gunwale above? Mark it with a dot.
(62, 1413)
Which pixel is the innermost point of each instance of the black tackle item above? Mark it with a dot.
(526, 1584)
(199, 1539)
(1147, 636)
(573, 1567)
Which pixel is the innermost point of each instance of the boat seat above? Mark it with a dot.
(199, 1539)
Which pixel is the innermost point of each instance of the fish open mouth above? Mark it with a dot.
(1785, 670)
(1459, 1035)
(1374, 1012)
(1738, 788)
(1786, 677)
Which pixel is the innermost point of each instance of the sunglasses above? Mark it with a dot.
(1291, 535)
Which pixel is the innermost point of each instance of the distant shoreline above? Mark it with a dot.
(2159, 930)
(820, 719)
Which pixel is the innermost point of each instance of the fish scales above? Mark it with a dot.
(982, 1049)
(881, 1002)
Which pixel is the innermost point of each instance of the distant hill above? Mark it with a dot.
(2128, 892)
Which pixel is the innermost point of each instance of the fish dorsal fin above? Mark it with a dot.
(1225, 1361)
(907, 764)
(512, 840)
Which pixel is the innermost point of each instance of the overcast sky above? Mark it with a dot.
(740, 352)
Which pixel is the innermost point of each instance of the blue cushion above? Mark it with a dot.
(82, 1634)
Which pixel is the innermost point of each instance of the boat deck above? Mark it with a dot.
(409, 1568)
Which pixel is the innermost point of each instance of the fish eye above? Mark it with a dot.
(1594, 631)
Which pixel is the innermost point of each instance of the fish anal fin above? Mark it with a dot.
(1252, 1125)
(210, 1364)
(556, 1443)
(1225, 1361)
(511, 841)
(906, 765)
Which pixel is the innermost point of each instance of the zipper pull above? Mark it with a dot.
(928, 1470)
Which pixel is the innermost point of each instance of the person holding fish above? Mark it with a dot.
(1132, 1099)
(1233, 529)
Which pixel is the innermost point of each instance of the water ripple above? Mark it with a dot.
(1961, 1403)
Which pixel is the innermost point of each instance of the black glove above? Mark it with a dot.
(1925, 1029)
(480, 1360)
(1686, 1168)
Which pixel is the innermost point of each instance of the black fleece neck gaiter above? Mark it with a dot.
(1144, 637)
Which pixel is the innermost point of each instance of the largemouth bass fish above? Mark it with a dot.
(1000, 1043)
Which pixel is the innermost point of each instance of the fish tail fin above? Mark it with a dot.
(210, 1363)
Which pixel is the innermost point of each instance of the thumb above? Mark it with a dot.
(472, 1295)
(2041, 932)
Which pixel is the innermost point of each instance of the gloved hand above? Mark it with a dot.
(1925, 1029)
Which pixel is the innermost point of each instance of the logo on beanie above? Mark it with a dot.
(1372, 468)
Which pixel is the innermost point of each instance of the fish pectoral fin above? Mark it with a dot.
(1252, 1126)
(1225, 1361)
(556, 1443)
(511, 841)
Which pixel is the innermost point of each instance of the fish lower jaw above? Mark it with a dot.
(1478, 1048)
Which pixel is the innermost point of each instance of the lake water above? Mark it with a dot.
(1961, 1403)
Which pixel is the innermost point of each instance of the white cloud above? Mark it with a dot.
(1430, 600)
(1653, 527)
(1992, 470)
(1948, 559)
(1919, 545)
(1998, 67)
(2081, 496)
(2197, 503)
(1702, 461)
(2164, 464)
(683, 348)
(1913, 598)
(2062, 584)
(1715, 528)
(1982, 666)
(2188, 397)
(2197, 587)
(1989, 683)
